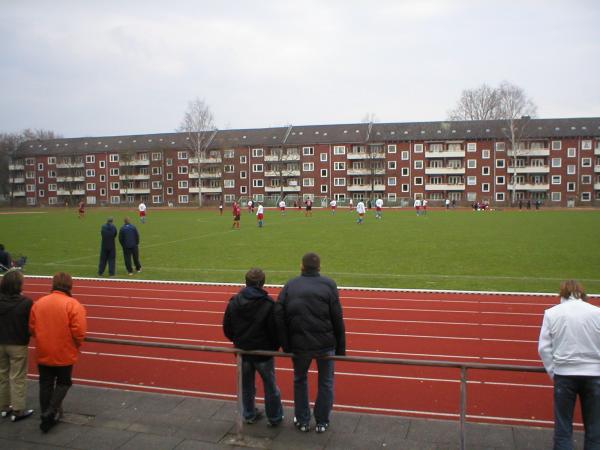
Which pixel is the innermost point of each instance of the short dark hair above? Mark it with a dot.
(255, 277)
(311, 262)
(12, 282)
(109, 220)
(126, 220)
(63, 282)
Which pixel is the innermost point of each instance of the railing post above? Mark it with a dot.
(239, 422)
(463, 405)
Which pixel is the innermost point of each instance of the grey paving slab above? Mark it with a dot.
(101, 439)
(436, 431)
(202, 429)
(489, 436)
(390, 428)
(151, 442)
(199, 407)
(21, 445)
(290, 438)
(190, 444)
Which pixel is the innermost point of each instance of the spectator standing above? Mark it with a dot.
(142, 211)
(14, 339)
(5, 259)
(538, 203)
(260, 215)
(418, 206)
(360, 210)
(129, 239)
(528, 204)
(569, 347)
(236, 211)
(108, 253)
(249, 322)
(282, 207)
(378, 208)
(308, 203)
(447, 204)
(58, 323)
(333, 205)
(311, 325)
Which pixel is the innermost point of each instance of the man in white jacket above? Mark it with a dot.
(570, 350)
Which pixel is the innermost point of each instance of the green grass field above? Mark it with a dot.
(457, 249)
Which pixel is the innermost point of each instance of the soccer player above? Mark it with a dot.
(142, 210)
(378, 206)
(351, 205)
(250, 206)
(333, 205)
(221, 208)
(308, 204)
(360, 210)
(260, 214)
(424, 203)
(418, 206)
(81, 210)
(282, 207)
(236, 211)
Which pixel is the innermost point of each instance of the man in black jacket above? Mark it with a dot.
(249, 323)
(108, 232)
(130, 239)
(311, 325)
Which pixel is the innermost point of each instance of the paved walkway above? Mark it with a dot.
(97, 419)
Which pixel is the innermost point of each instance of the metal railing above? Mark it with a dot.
(239, 424)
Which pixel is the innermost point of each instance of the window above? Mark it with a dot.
(405, 188)
(115, 199)
(169, 161)
(156, 184)
(339, 150)
(471, 163)
(169, 191)
(471, 181)
(52, 201)
(308, 167)
(556, 179)
(500, 146)
(243, 159)
(102, 164)
(169, 176)
(391, 181)
(308, 181)
(257, 152)
(29, 161)
(90, 187)
(114, 172)
(418, 181)
(571, 152)
(30, 174)
(556, 162)
(472, 146)
(30, 188)
(243, 174)
(113, 157)
(417, 148)
(585, 196)
(114, 186)
(339, 182)
(586, 179)
(404, 171)
(52, 159)
(40, 166)
(307, 151)
(499, 196)
(182, 155)
(500, 163)
(339, 166)
(182, 170)
(571, 169)
(485, 187)
(586, 162)
(156, 156)
(556, 145)
(157, 170)
(418, 164)
(228, 154)
(52, 188)
(103, 192)
(485, 154)
(585, 145)
(229, 183)
(555, 196)
(183, 199)
(391, 196)
(41, 193)
(182, 184)
(323, 189)
(257, 182)
(40, 180)
(90, 173)
(485, 170)
(323, 157)
(571, 186)
(500, 180)
(257, 167)
(157, 199)
(392, 165)
(323, 173)
(52, 174)
(90, 159)
(228, 168)
(391, 148)
(404, 155)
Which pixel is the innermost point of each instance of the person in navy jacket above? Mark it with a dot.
(130, 239)
(108, 232)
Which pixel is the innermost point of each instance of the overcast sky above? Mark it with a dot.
(85, 68)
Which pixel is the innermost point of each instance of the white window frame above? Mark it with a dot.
(391, 181)
(257, 152)
(323, 157)
(257, 168)
(471, 164)
(391, 148)
(417, 148)
(391, 165)
(556, 162)
(308, 151)
(339, 149)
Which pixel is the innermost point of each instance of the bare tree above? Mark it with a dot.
(481, 103)
(198, 124)
(369, 118)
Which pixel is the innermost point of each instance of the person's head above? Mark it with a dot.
(255, 277)
(572, 288)
(1, 248)
(109, 220)
(126, 220)
(12, 282)
(62, 282)
(311, 262)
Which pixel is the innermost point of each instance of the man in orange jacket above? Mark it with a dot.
(58, 323)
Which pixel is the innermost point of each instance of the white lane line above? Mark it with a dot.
(165, 322)
(145, 308)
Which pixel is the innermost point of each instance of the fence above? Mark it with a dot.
(464, 367)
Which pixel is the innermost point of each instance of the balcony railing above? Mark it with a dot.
(366, 155)
(285, 188)
(445, 187)
(597, 168)
(135, 162)
(444, 171)
(74, 165)
(597, 151)
(282, 158)
(139, 176)
(282, 173)
(16, 167)
(597, 186)
(205, 190)
(529, 152)
(529, 169)
(529, 186)
(63, 192)
(18, 194)
(215, 160)
(445, 154)
(130, 191)
(70, 179)
(16, 180)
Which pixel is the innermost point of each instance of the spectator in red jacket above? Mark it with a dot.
(58, 323)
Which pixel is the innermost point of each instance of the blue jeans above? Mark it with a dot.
(324, 402)
(266, 370)
(566, 390)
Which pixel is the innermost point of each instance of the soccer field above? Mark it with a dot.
(457, 249)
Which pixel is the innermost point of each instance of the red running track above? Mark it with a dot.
(466, 327)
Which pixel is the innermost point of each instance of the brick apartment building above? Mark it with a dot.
(557, 162)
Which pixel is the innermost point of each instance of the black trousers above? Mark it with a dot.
(107, 255)
(55, 382)
(129, 253)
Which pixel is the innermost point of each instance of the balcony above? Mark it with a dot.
(283, 173)
(366, 172)
(535, 187)
(205, 190)
(69, 179)
(366, 155)
(16, 167)
(139, 176)
(530, 152)
(282, 158)
(18, 194)
(444, 171)
(445, 154)
(597, 168)
(445, 187)
(597, 151)
(134, 162)
(75, 165)
(216, 160)
(16, 180)
(130, 191)
(71, 192)
(529, 169)
(359, 187)
(597, 186)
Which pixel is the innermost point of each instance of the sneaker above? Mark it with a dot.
(20, 415)
(304, 427)
(252, 420)
(6, 412)
(130, 273)
(275, 423)
(321, 427)
(48, 421)
(139, 270)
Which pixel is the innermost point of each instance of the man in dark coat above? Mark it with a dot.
(250, 324)
(310, 324)
(108, 232)
(130, 239)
